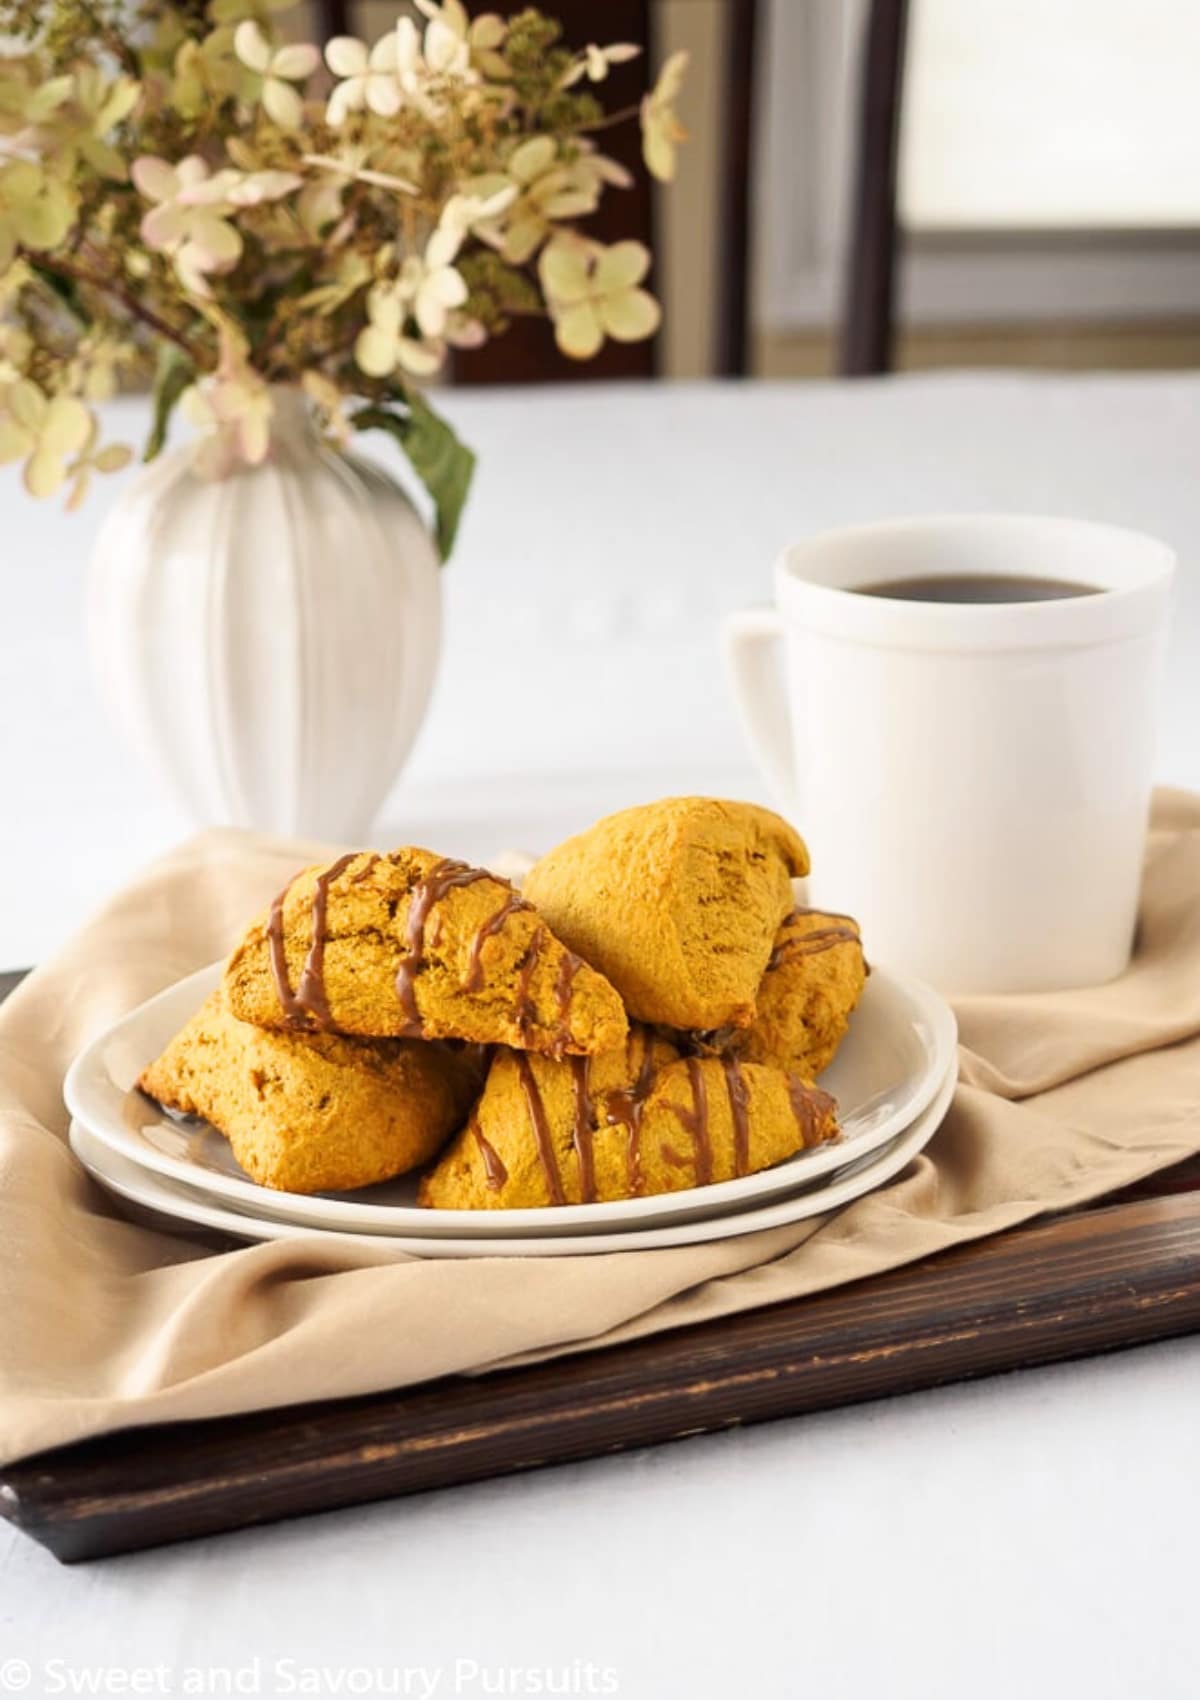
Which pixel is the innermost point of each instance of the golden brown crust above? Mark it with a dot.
(485, 966)
(677, 903)
(314, 1112)
(319, 1057)
(808, 994)
(680, 1130)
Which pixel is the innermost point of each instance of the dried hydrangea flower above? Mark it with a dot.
(233, 412)
(661, 130)
(385, 343)
(368, 77)
(111, 458)
(178, 186)
(82, 123)
(36, 210)
(593, 293)
(43, 431)
(457, 44)
(595, 62)
(433, 284)
(545, 189)
(196, 235)
(190, 218)
(278, 68)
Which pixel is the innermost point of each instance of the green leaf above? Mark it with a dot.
(444, 465)
(175, 373)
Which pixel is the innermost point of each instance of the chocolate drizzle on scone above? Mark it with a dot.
(567, 970)
(310, 993)
(694, 1121)
(843, 931)
(512, 904)
(294, 1012)
(625, 1108)
(541, 1128)
(493, 1166)
(307, 1006)
(810, 1106)
(739, 1107)
(444, 876)
(367, 869)
(622, 1120)
(583, 1127)
(526, 1008)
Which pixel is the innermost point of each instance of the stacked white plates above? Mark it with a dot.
(893, 1078)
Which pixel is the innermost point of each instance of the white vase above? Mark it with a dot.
(268, 641)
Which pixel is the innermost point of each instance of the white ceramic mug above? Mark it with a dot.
(973, 780)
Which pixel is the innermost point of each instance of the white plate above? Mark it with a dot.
(139, 1186)
(897, 1053)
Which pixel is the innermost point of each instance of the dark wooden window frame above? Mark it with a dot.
(528, 356)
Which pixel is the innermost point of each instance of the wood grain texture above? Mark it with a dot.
(737, 188)
(1078, 1284)
(868, 319)
(1095, 1280)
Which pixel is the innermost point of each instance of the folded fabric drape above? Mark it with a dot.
(105, 1324)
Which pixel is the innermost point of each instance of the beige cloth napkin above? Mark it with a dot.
(104, 1324)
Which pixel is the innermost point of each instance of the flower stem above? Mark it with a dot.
(135, 308)
(610, 120)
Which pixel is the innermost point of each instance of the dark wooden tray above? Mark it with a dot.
(1094, 1280)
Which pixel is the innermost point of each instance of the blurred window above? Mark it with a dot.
(1050, 160)
(1059, 114)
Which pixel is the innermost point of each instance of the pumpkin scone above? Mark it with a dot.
(313, 1112)
(413, 945)
(624, 1124)
(677, 903)
(813, 982)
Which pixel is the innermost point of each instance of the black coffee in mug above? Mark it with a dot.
(977, 587)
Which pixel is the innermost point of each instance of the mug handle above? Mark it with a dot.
(760, 696)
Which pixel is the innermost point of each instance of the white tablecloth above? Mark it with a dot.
(1030, 1535)
(608, 533)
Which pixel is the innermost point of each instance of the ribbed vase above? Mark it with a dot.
(268, 641)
